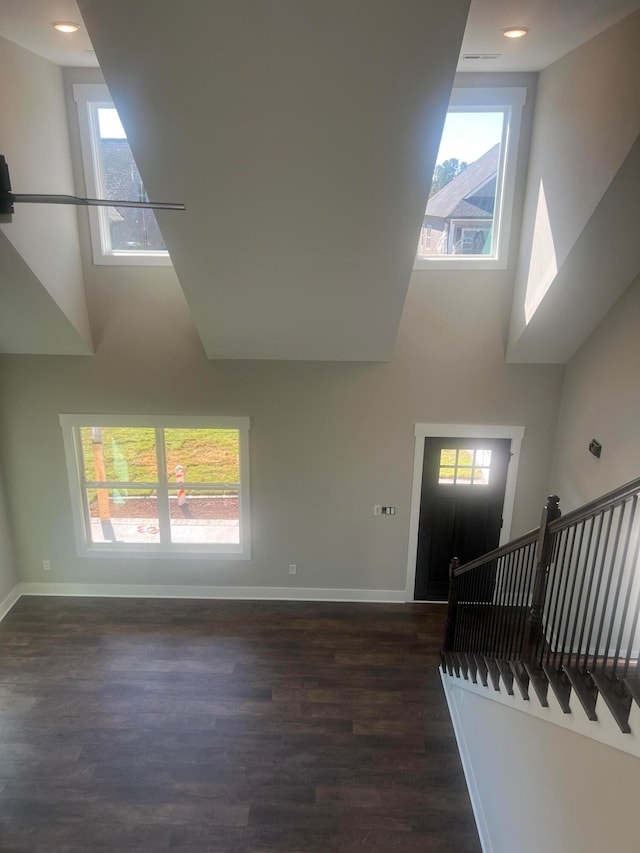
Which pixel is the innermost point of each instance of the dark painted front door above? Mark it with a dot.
(463, 486)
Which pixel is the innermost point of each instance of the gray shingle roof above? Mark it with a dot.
(451, 201)
(133, 228)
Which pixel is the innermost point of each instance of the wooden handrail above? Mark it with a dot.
(544, 551)
(611, 499)
(502, 551)
(551, 605)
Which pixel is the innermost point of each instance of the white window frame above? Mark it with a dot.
(70, 424)
(90, 97)
(510, 101)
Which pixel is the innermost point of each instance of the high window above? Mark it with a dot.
(467, 218)
(119, 235)
(159, 485)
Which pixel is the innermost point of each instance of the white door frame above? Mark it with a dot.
(422, 431)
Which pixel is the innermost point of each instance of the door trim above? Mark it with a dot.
(422, 431)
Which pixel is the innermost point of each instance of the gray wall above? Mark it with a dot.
(8, 576)
(328, 440)
(587, 118)
(34, 137)
(544, 788)
(601, 400)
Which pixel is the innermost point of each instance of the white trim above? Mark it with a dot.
(9, 600)
(264, 593)
(467, 767)
(490, 96)
(157, 421)
(511, 101)
(85, 548)
(422, 431)
(604, 729)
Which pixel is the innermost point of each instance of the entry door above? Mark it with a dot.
(463, 486)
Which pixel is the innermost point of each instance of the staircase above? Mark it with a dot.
(554, 616)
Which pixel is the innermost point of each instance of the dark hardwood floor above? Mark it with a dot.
(145, 725)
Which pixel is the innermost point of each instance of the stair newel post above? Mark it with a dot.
(544, 554)
(450, 626)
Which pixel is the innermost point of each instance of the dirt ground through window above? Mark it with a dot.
(226, 508)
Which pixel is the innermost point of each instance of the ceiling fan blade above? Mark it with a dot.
(8, 199)
(6, 207)
(94, 202)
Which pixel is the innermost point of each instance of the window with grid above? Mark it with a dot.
(159, 485)
(119, 235)
(468, 214)
(464, 467)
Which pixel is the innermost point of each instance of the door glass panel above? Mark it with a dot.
(448, 457)
(483, 458)
(464, 467)
(481, 476)
(465, 458)
(463, 476)
(447, 475)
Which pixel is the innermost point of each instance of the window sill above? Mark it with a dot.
(155, 552)
(127, 259)
(457, 262)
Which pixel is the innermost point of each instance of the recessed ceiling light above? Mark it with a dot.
(65, 26)
(515, 32)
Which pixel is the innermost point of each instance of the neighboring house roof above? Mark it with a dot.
(136, 228)
(454, 200)
(121, 176)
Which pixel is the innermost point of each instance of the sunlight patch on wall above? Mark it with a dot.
(543, 265)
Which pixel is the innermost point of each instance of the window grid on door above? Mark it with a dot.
(464, 466)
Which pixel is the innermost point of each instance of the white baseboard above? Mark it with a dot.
(472, 785)
(9, 600)
(266, 593)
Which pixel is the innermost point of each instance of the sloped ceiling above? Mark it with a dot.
(43, 308)
(30, 320)
(301, 137)
(555, 28)
(578, 252)
(602, 263)
(301, 133)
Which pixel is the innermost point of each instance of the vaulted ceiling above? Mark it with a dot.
(301, 136)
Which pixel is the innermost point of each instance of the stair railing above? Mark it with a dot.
(559, 606)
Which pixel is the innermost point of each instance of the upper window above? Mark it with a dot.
(159, 485)
(466, 222)
(119, 235)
